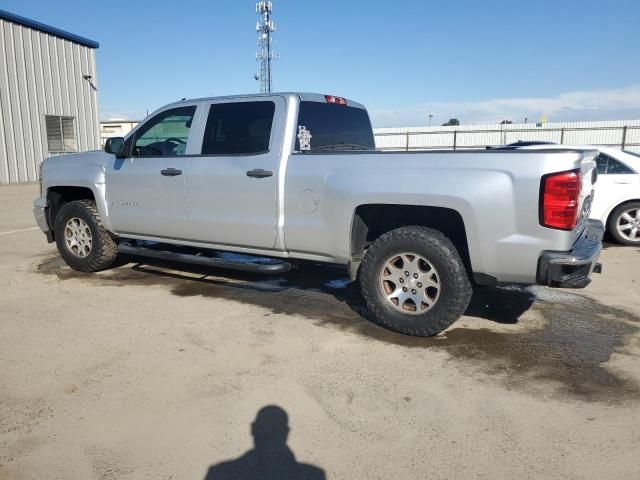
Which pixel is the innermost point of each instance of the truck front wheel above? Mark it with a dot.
(82, 240)
(414, 281)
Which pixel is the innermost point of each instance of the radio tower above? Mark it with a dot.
(265, 55)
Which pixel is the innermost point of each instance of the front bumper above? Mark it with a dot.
(573, 269)
(40, 213)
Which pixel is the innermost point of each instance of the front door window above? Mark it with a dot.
(165, 135)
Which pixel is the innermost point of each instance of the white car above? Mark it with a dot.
(617, 196)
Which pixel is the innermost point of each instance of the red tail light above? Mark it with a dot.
(336, 100)
(559, 200)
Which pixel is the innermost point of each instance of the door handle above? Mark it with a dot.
(259, 173)
(171, 172)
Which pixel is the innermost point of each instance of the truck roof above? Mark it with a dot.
(303, 96)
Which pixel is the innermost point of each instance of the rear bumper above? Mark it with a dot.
(40, 214)
(573, 269)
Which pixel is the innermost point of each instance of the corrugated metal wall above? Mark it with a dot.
(41, 74)
(616, 133)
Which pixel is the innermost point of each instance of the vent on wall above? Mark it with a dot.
(61, 134)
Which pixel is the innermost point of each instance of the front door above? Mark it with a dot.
(231, 187)
(145, 191)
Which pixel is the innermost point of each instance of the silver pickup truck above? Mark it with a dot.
(295, 177)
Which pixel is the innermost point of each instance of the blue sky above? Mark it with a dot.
(480, 61)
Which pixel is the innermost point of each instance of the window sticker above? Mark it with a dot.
(304, 137)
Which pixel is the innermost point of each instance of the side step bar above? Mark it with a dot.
(245, 263)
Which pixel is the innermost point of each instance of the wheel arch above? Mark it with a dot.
(609, 218)
(370, 221)
(614, 207)
(59, 195)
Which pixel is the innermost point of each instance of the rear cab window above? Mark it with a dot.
(325, 127)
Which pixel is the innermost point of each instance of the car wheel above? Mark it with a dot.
(624, 224)
(414, 281)
(82, 240)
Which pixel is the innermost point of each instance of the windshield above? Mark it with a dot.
(331, 127)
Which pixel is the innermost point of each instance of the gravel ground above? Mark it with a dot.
(163, 371)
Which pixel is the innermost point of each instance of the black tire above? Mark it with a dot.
(614, 218)
(455, 288)
(103, 250)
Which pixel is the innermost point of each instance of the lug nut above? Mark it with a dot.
(406, 274)
(404, 289)
(419, 285)
(402, 280)
(414, 292)
(415, 275)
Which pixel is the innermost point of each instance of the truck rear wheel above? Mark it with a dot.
(82, 240)
(414, 281)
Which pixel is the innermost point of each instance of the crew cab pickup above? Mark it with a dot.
(295, 177)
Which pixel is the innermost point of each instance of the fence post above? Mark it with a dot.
(455, 139)
(561, 135)
(624, 137)
(407, 140)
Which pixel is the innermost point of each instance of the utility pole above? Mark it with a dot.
(430, 117)
(265, 55)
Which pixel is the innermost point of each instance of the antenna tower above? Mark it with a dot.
(265, 54)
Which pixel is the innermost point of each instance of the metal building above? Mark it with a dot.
(116, 128)
(48, 96)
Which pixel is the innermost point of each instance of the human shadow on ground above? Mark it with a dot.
(271, 458)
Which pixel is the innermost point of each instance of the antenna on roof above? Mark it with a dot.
(265, 55)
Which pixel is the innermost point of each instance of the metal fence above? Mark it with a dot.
(612, 134)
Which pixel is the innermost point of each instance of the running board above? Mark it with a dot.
(245, 263)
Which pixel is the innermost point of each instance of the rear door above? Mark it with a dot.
(616, 181)
(145, 190)
(231, 186)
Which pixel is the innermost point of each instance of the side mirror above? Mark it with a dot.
(114, 145)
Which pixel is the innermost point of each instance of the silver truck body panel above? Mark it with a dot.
(85, 170)
(306, 209)
(495, 193)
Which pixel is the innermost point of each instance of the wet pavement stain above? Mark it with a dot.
(568, 349)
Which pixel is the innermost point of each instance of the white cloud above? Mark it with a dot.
(617, 104)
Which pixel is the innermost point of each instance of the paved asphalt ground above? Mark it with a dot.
(152, 371)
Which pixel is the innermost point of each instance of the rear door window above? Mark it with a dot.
(242, 128)
(610, 166)
(615, 168)
(332, 127)
(601, 162)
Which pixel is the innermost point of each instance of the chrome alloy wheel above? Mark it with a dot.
(77, 236)
(629, 225)
(410, 283)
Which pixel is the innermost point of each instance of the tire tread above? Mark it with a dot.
(455, 305)
(104, 249)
